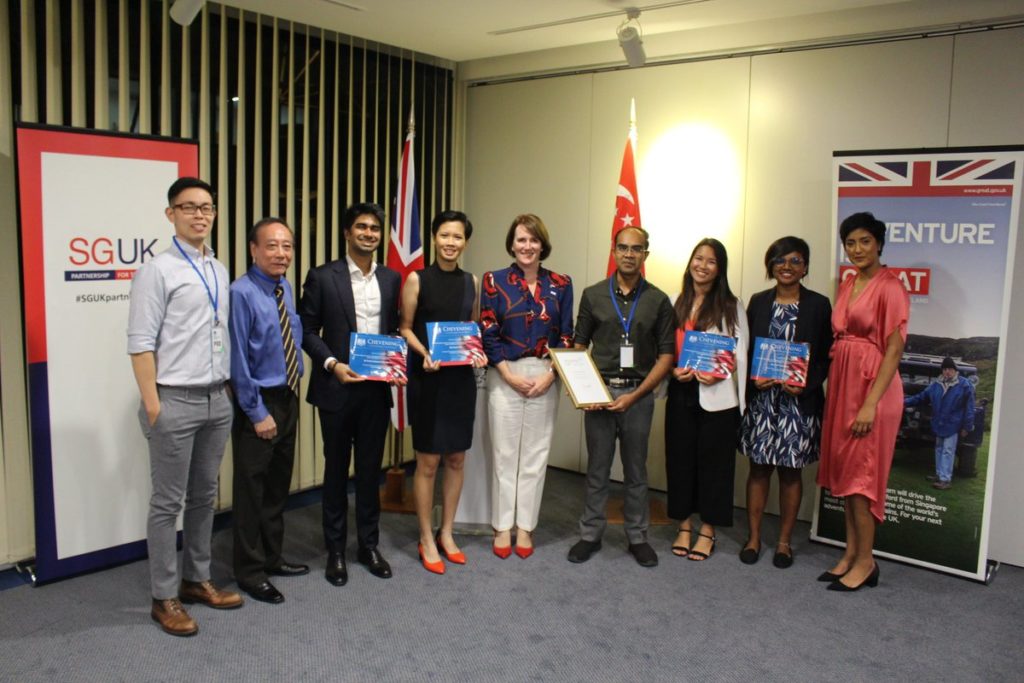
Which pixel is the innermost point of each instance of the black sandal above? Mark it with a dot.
(698, 556)
(682, 550)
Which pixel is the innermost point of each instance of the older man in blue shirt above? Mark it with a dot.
(266, 364)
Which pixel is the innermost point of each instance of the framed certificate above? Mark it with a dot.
(577, 370)
(712, 354)
(454, 343)
(376, 356)
(781, 360)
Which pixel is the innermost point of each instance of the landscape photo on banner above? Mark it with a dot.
(951, 218)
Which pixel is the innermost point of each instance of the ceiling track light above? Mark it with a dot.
(184, 11)
(631, 38)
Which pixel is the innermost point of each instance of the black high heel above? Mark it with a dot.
(830, 577)
(871, 581)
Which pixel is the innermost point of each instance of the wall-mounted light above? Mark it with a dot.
(184, 11)
(631, 37)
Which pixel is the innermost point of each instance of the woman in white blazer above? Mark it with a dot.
(702, 415)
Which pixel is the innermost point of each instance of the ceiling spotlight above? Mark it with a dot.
(184, 11)
(630, 38)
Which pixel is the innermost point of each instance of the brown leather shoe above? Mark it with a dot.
(208, 594)
(173, 618)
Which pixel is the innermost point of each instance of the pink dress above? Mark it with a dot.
(860, 465)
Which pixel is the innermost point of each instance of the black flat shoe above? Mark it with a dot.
(336, 573)
(783, 560)
(375, 562)
(583, 550)
(750, 556)
(289, 569)
(263, 591)
(871, 581)
(830, 577)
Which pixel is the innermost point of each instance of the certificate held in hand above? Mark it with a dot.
(709, 354)
(377, 356)
(781, 360)
(454, 343)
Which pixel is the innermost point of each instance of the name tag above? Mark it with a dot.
(218, 339)
(626, 356)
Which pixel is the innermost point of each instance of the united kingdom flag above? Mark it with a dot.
(405, 246)
(893, 176)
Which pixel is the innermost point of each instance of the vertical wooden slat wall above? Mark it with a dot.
(323, 129)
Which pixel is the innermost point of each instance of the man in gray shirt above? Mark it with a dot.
(629, 325)
(178, 342)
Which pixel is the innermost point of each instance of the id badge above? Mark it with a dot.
(218, 339)
(626, 356)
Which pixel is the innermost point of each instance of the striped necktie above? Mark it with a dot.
(291, 358)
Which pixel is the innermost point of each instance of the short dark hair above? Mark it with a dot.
(254, 232)
(353, 212)
(786, 245)
(450, 216)
(185, 183)
(533, 225)
(646, 235)
(867, 221)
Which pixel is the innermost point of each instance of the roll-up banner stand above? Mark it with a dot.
(951, 220)
(92, 211)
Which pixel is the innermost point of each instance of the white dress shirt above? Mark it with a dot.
(366, 293)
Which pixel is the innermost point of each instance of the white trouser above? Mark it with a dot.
(521, 431)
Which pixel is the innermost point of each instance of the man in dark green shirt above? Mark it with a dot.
(629, 325)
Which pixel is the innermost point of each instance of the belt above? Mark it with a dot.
(622, 382)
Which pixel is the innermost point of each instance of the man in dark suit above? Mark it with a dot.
(353, 294)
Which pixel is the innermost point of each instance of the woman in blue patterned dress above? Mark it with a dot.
(781, 429)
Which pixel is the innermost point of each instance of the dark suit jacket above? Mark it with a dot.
(813, 326)
(328, 313)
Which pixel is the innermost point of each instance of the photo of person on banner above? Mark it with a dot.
(952, 402)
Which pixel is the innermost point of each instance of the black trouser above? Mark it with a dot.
(359, 427)
(700, 458)
(262, 477)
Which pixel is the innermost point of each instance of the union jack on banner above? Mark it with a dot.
(405, 246)
(627, 199)
(904, 177)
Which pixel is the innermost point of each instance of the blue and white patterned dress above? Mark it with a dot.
(774, 430)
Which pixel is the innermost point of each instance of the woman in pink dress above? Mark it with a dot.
(865, 397)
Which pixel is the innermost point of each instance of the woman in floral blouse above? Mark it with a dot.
(525, 309)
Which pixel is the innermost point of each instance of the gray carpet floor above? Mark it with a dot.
(540, 619)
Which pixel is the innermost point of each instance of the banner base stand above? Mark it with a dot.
(394, 497)
(27, 567)
(991, 569)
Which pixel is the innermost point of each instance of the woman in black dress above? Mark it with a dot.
(442, 401)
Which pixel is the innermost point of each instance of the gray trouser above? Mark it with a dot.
(632, 429)
(185, 449)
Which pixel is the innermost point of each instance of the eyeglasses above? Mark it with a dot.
(796, 261)
(637, 249)
(190, 209)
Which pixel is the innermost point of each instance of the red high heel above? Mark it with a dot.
(522, 550)
(501, 551)
(435, 567)
(455, 558)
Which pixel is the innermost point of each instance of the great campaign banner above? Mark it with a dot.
(951, 219)
(91, 208)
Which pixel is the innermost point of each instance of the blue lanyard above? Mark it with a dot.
(625, 322)
(214, 298)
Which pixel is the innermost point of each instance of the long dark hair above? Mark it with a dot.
(719, 303)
